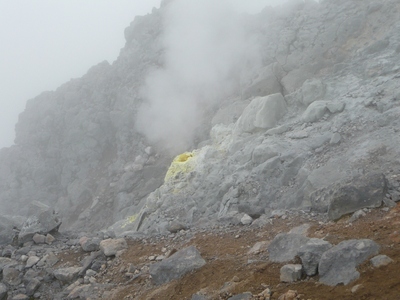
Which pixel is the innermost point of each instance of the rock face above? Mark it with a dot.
(272, 141)
(285, 246)
(177, 265)
(338, 264)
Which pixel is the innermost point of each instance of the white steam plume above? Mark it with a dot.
(205, 44)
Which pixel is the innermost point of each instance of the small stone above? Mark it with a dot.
(152, 257)
(131, 268)
(235, 279)
(259, 247)
(381, 261)
(24, 258)
(291, 273)
(355, 288)
(237, 236)
(32, 286)
(335, 139)
(289, 295)
(11, 276)
(49, 239)
(160, 257)
(39, 238)
(110, 247)
(246, 220)
(32, 260)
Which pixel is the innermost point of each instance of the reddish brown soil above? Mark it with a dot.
(230, 270)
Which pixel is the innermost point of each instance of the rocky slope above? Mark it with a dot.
(311, 124)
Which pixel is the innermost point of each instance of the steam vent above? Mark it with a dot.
(223, 155)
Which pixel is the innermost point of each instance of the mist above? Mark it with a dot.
(46, 43)
(205, 46)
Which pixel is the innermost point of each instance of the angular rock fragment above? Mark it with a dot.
(338, 264)
(284, 246)
(291, 273)
(182, 262)
(110, 247)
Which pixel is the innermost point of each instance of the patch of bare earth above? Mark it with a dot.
(230, 270)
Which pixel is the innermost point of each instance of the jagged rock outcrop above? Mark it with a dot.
(334, 65)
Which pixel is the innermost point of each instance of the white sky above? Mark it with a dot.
(44, 43)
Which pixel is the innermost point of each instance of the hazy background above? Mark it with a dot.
(44, 43)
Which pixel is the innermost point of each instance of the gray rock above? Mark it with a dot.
(363, 192)
(291, 273)
(284, 246)
(43, 222)
(110, 247)
(381, 261)
(336, 138)
(243, 296)
(357, 215)
(338, 264)
(11, 276)
(48, 260)
(32, 286)
(310, 255)
(66, 275)
(3, 291)
(90, 244)
(176, 226)
(262, 113)
(39, 238)
(246, 220)
(315, 111)
(312, 90)
(177, 265)
(32, 260)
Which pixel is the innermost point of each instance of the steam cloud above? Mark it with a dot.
(205, 45)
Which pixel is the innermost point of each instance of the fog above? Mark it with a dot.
(206, 45)
(45, 43)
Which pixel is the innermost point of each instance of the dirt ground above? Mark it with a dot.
(230, 270)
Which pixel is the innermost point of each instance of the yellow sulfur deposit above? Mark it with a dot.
(129, 220)
(183, 163)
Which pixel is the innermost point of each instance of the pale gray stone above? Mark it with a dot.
(11, 276)
(262, 113)
(284, 246)
(291, 273)
(90, 244)
(246, 219)
(336, 138)
(32, 260)
(381, 261)
(310, 255)
(66, 275)
(177, 265)
(338, 264)
(110, 247)
(32, 286)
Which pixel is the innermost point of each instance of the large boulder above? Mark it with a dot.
(182, 262)
(262, 113)
(338, 264)
(362, 192)
(42, 221)
(284, 246)
(310, 255)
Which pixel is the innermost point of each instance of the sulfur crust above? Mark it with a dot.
(181, 164)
